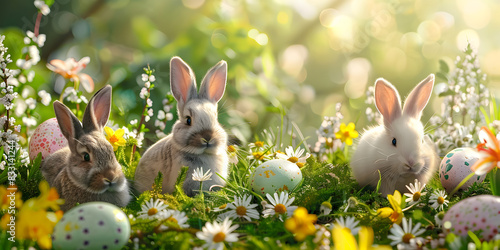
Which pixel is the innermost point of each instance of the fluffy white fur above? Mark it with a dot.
(413, 157)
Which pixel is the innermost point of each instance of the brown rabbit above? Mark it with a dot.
(86, 170)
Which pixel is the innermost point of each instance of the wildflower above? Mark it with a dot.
(326, 207)
(348, 222)
(241, 208)
(258, 155)
(220, 208)
(415, 192)
(343, 239)
(5, 198)
(70, 69)
(489, 148)
(232, 153)
(395, 214)
(347, 133)
(36, 224)
(152, 209)
(438, 200)
(173, 218)
(439, 219)
(294, 156)
(322, 238)
(215, 234)
(46, 98)
(301, 224)
(280, 205)
(198, 175)
(49, 198)
(115, 137)
(406, 233)
(256, 145)
(44, 8)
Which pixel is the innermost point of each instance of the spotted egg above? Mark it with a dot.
(93, 225)
(479, 214)
(455, 166)
(46, 139)
(274, 176)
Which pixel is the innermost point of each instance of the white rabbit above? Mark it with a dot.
(86, 170)
(197, 138)
(397, 148)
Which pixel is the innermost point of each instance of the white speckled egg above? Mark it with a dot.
(475, 213)
(455, 166)
(93, 225)
(47, 139)
(274, 176)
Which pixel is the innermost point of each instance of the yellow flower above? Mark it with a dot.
(8, 196)
(344, 240)
(36, 224)
(347, 133)
(115, 137)
(49, 198)
(489, 148)
(395, 214)
(301, 224)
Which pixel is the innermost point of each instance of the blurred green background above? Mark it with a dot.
(301, 56)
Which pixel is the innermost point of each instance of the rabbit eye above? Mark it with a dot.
(394, 142)
(86, 157)
(188, 120)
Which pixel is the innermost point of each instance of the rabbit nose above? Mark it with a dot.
(206, 137)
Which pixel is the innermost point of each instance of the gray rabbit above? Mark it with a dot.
(197, 138)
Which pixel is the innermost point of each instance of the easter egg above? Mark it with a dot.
(455, 166)
(92, 225)
(475, 213)
(275, 176)
(46, 139)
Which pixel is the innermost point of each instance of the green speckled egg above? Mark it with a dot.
(275, 176)
(93, 225)
(455, 166)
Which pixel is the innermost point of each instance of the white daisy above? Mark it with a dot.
(241, 208)
(438, 200)
(294, 156)
(326, 207)
(215, 234)
(232, 153)
(198, 175)
(152, 209)
(220, 208)
(257, 145)
(406, 233)
(349, 222)
(416, 192)
(173, 217)
(279, 205)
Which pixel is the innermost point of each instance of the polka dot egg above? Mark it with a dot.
(475, 213)
(93, 225)
(46, 139)
(455, 166)
(275, 176)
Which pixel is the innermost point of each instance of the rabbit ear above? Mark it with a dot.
(418, 98)
(68, 123)
(214, 82)
(387, 100)
(182, 81)
(97, 112)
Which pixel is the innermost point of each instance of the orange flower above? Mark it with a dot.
(489, 148)
(70, 69)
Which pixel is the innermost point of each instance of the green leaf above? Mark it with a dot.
(447, 93)
(443, 67)
(49, 2)
(442, 76)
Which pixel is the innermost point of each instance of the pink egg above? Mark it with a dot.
(47, 139)
(477, 214)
